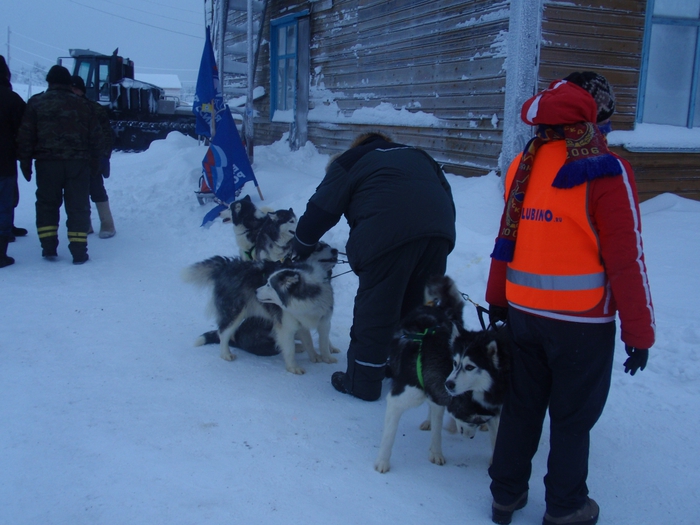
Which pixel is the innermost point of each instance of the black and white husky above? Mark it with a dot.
(420, 359)
(480, 370)
(262, 234)
(293, 297)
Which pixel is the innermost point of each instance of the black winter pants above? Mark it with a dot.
(566, 366)
(390, 287)
(56, 181)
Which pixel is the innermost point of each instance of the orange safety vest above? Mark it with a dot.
(557, 264)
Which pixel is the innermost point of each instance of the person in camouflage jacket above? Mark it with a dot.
(61, 132)
(98, 193)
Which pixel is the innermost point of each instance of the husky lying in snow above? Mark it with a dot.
(261, 234)
(421, 360)
(293, 297)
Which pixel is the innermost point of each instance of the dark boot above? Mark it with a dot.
(79, 252)
(5, 260)
(19, 232)
(49, 245)
(503, 514)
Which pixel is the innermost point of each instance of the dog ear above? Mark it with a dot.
(492, 351)
(290, 280)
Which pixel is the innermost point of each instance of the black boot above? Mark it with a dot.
(79, 252)
(5, 260)
(19, 232)
(49, 248)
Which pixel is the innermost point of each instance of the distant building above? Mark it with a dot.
(170, 84)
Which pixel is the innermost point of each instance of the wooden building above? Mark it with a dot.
(450, 76)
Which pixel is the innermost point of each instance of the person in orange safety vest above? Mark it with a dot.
(567, 260)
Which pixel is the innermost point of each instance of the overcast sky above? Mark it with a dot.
(160, 36)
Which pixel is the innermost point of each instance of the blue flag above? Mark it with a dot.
(208, 98)
(225, 167)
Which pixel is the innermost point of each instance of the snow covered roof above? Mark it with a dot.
(160, 80)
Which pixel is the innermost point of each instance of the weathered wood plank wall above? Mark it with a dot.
(446, 58)
(441, 57)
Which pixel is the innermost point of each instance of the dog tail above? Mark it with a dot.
(207, 338)
(203, 272)
(441, 291)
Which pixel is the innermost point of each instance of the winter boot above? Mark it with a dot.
(503, 514)
(106, 221)
(5, 260)
(586, 515)
(49, 246)
(19, 232)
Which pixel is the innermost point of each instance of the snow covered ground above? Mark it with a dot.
(109, 415)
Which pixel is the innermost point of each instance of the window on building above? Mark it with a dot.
(670, 82)
(283, 61)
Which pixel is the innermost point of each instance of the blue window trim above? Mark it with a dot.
(649, 21)
(275, 25)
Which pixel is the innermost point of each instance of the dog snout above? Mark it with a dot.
(450, 386)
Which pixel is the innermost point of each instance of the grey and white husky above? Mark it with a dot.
(293, 297)
(262, 234)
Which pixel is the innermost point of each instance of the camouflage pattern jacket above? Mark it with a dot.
(59, 125)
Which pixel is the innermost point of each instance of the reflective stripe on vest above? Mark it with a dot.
(556, 266)
(562, 283)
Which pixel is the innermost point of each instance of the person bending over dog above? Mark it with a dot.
(402, 227)
(568, 255)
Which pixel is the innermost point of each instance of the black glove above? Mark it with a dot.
(497, 314)
(104, 167)
(26, 166)
(637, 359)
(301, 252)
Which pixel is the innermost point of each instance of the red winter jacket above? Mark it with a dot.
(613, 211)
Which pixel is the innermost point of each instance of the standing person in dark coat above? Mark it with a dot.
(11, 110)
(98, 193)
(61, 131)
(402, 227)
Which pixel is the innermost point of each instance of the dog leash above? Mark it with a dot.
(480, 310)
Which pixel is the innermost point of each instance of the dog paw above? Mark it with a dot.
(425, 425)
(381, 466)
(314, 357)
(329, 359)
(334, 350)
(438, 459)
(296, 370)
(228, 357)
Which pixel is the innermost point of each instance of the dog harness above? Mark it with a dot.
(417, 337)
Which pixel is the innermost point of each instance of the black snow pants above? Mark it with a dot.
(566, 366)
(390, 287)
(56, 181)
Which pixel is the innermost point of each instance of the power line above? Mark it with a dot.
(137, 21)
(33, 54)
(37, 41)
(154, 14)
(172, 7)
